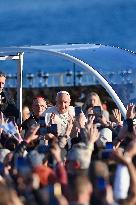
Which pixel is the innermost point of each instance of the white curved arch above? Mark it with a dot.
(102, 81)
(82, 64)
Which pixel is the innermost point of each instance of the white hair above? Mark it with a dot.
(61, 93)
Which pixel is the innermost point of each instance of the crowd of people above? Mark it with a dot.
(66, 155)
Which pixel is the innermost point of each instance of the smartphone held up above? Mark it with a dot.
(44, 129)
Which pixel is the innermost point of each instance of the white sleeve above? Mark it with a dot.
(47, 118)
(121, 182)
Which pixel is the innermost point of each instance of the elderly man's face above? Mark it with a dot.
(62, 103)
(2, 82)
(39, 106)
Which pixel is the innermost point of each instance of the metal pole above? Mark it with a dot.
(19, 85)
(82, 64)
(61, 83)
(74, 74)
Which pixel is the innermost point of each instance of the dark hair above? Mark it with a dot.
(8, 142)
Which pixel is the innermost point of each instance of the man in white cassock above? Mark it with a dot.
(62, 111)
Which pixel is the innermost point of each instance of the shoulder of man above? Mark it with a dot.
(9, 98)
(28, 122)
(50, 110)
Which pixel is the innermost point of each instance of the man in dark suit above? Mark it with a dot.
(7, 104)
(38, 107)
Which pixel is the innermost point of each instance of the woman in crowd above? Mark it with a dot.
(91, 102)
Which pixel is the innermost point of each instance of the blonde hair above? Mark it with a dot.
(87, 102)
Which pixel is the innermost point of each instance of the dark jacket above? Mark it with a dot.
(28, 123)
(7, 105)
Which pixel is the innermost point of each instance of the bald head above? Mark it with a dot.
(39, 106)
(63, 101)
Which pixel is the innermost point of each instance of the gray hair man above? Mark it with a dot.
(61, 111)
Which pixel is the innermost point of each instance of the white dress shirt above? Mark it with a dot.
(121, 182)
(60, 119)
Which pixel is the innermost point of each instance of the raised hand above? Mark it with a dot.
(69, 125)
(117, 115)
(130, 111)
(81, 120)
(31, 134)
(93, 133)
(56, 152)
(121, 136)
(131, 148)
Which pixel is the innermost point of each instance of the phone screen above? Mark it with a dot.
(41, 121)
(109, 145)
(42, 131)
(52, 129)
(78, 110)
(97, 110)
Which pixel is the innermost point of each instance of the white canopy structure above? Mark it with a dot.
(99, 60)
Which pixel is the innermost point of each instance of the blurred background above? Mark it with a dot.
(30, 22)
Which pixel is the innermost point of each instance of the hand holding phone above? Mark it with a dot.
(97, 111)
(43, 129)
(98, 114)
